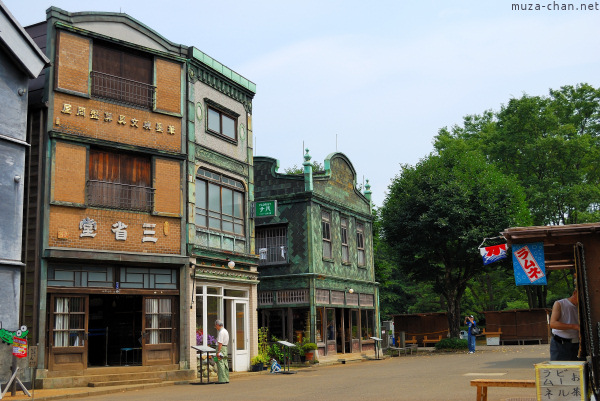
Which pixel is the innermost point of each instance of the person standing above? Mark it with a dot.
(470, 321)
(222, 362)
(564, 322)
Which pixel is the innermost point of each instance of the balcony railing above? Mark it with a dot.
(122, 89)
(119, 196)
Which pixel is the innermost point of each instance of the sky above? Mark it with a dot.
(374, 80)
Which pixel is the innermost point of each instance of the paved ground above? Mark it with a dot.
(425, 376)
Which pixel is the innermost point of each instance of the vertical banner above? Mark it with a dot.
(528, 264)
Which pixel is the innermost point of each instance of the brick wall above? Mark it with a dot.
(73, 62)
(64, 231)
(68, 178)
(96, 119)
(168, 85)
(167, 182)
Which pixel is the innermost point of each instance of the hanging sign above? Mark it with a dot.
(494, 253)
(20, 347)
(528, 264)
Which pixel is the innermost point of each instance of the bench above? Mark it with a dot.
(405, 350)
(521, 341)
(483, 384)
(431, 340)
(492, 337)
(413, 340)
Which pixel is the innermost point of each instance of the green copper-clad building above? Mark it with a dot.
(317, 279)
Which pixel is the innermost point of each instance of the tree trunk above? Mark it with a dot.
(453, 312)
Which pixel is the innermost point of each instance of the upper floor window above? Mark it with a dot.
(219, 203)
(122, 75)
(271, 245)
(326, 231)
(344, 237)
(360, 243)
(221, 120)
(119, 181)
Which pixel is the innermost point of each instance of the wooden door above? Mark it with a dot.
(68, 326)
(159, 339)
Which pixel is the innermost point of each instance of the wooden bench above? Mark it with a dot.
(483, 384)
(413, 340)
(431, 340)
(405, 350)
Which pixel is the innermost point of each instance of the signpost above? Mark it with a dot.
(264, 209)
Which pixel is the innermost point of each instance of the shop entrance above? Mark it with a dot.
(115, 330)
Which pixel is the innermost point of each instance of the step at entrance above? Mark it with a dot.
(112, 376)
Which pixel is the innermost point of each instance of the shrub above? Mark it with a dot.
(451, 344)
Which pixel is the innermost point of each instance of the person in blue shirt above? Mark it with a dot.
(470, 321)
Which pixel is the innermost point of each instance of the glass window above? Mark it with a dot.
(344, 238)
(331, 324)
(319, 327)
(367, 323)
(69, 322)
(354, 323)
(159, 320)
(360, 243)
(221, 123)
(236, 293)
(326, 232)
(271, 245)
(219, 203)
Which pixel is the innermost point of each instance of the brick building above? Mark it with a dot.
(106, 273)
(317, 278)
(220, 230)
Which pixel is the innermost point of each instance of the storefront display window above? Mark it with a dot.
(319, 328)
(367, 324)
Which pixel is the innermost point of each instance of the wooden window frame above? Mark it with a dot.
(344, 240)
(221, 111)
(360, 244)
(326, 234)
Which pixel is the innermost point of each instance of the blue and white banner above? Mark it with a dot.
(491, 254)
(528, 264)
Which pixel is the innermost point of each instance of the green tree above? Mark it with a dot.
(437, 212)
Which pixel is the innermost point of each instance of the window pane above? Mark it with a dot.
(201, 194)
(213, 121)
(240, 325)
(227, 201)
(238, 204)
(214, 197)
(228, 126)
(327, 249)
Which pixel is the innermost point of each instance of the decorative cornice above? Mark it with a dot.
(222, 161)
(237, 275)
(199, 73)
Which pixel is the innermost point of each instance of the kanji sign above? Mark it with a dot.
(528, 264)
(265, 208)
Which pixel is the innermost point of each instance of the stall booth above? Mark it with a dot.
(575, 247)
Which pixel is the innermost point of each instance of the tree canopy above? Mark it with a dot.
(437, 212)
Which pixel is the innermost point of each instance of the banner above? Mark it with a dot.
(528, 264)
(491, 254)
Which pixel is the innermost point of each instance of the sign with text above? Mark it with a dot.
(20, 347)
(528, 264)
(265, 209)
(561, 380)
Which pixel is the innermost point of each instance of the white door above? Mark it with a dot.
(239, 337)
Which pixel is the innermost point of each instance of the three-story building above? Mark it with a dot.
(106, 274)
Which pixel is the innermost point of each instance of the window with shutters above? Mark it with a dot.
(119, 181)
(122, 75)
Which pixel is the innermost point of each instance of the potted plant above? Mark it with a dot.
(309, 350)
(262, 358)
(258, 362)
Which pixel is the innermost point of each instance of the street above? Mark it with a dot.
(424, 377)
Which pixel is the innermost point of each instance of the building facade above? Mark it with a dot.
(20, 60)
(107, 265)
(220, 190)
(317, 279)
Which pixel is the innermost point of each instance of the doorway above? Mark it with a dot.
(114, 330)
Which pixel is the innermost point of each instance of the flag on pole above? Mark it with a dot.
(491, 254)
